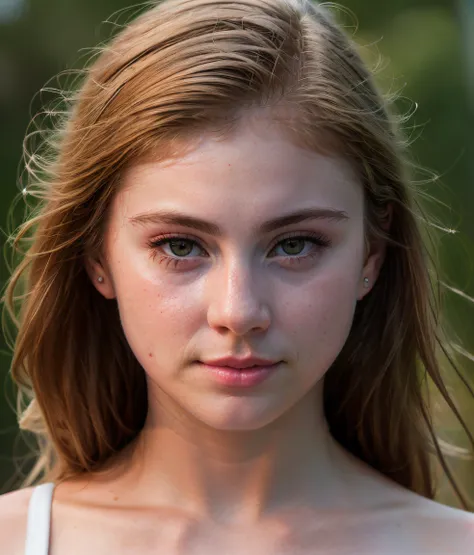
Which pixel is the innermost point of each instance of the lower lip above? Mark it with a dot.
(246, 377)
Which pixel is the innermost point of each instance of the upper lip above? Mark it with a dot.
(246, 362)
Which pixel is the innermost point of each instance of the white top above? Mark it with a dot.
(39, 520)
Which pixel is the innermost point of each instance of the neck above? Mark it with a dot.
(237, 475)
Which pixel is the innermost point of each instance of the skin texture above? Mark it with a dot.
(221, 470)
(237, 294)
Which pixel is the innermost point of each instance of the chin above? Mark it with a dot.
(239, 414)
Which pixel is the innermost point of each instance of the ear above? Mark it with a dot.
(100, 276)
(375, 256)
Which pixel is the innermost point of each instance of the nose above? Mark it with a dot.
(236, 303)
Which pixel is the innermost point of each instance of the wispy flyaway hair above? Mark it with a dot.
(180, 69)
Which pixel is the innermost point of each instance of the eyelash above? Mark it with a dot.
(317, 239)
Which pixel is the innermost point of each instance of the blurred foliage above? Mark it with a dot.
(418, 51)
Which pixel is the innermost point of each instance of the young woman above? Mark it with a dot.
(226, 318)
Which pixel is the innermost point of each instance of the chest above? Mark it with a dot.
(80, 533)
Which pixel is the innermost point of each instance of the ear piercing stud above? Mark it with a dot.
(366, 282)
(100, 279)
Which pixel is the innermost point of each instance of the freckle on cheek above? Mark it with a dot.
(150, 355)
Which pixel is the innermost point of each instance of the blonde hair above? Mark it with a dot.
(181, 68)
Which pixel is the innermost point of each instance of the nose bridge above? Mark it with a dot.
(236, 297)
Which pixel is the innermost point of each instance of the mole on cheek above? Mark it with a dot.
(150, 355)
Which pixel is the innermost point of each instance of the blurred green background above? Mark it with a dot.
(424, 51)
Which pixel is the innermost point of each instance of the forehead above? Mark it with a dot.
(255, 170)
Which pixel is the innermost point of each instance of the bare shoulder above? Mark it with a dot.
(440, 529)
(13, 519)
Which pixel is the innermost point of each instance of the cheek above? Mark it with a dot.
(320, 322)
(154, 317)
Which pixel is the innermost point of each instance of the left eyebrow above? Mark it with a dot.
(186, 220)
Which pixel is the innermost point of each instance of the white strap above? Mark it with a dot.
(39, 519)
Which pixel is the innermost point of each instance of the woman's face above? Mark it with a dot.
(287, 293)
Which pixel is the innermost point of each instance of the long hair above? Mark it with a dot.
(181, 68)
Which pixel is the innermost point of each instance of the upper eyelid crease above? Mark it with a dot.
(177, 218)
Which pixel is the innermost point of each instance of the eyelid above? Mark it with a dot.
(311, 234)
(163, 238)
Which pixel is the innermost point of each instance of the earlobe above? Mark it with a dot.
(364, 289)
(100, 277)
(372, 266)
